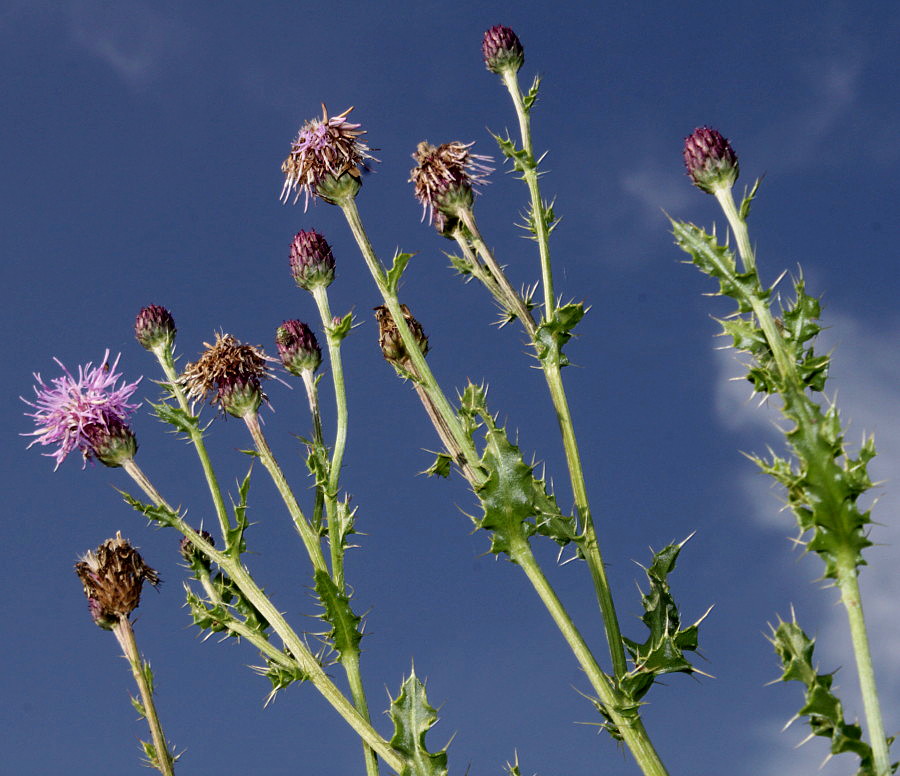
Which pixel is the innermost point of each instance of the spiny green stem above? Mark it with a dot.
(307, 534)
(632, 730)
(320, 294)
(305, 659)
(312, 397)
(511, 80)
(167, 362)
(164, 762)
(428, 381)
(796, 398)
(512, 299)
(590, 544)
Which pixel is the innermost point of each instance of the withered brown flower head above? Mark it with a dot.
(392, 346)
(329, 146)
(112, 576)
(230, 372)
(447, 176)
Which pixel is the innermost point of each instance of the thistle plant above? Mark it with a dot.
(514, 501)
(822, 479)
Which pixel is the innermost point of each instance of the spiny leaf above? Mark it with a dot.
(552, 335)
(821, 707)
(345, 634)
(663, 650)
(440, 467)
(413, 717)
(176, 417)
(529, 99)
(396, 271)
(342, 328)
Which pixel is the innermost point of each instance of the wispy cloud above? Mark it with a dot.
(132, 37)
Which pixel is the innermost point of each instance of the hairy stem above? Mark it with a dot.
(167, 362)
(306, 661)
(164, 761)
(631, 729)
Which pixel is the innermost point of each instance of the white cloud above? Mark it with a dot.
(131, 36)
(866, 376)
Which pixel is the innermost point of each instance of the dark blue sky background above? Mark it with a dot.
(140, 146)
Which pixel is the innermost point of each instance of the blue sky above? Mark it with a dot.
(141, 145)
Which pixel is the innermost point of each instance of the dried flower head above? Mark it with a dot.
(502, 50)
(389, 338)
(710, 160)
(325, 149)
(112, 577)
(447, 176)
(297, 347)
(312, 262)
(229, 373)
(154, 327)
(71, 411)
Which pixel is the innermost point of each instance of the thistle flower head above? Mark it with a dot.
(297, 347)
(710, 160)
(392, 347)
(230, 373)
(154, 327)
(502, 50)
(325, 149)
(83, 411)
(447, 176)
(112, 576)
(312, 262)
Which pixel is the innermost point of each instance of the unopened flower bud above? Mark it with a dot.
(312, 262)
(502, 50)
(187, 549)
(111, 441)
(710, 160)
(112, 577)
(298, 348)
(389, 338)
(154, 327)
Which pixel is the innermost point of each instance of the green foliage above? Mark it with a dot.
(345, 633)
(823, 482)
(176, 417)
(552, 335)
(342, 328)
(515, 503)
(235, 544)
(440, 467)
(663, 650)
(822, 708)
(522, 160)
(156, 514)
(396, 271)
(531, 98)
(413, 717)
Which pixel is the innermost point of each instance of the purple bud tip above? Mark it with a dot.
(312, 262)
(502, 50)
(710, 160)
(298, 348)
(154, 326)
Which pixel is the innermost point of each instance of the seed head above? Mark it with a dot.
(230, 373)
(298, 348)
(325, 159)
(72, 411)
(392, 346)
(502, 50)
(112, 576)
(154, 327)
(710, 160)
(447, 176)
(312, 262)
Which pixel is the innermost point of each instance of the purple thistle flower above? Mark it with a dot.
(447, 176)
(69, 410)
(324, 148)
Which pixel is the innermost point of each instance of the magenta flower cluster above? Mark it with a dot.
(67, 410)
